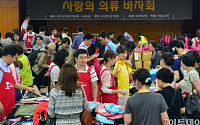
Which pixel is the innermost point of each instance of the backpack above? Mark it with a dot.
(33, 55)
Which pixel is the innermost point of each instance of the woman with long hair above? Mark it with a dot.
(66, 101)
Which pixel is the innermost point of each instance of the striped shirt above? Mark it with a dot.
(77, 41)
(93, 74)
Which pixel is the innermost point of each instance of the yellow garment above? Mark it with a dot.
(123, 75)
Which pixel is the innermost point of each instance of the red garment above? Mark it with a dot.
(85, 82)
(166, 39)
(109, 98)
(48, 60)
(28, 40)
(23, 32)
(7, 92)
(53, 38)
(108, 46)
(197, 42)
(42, 107)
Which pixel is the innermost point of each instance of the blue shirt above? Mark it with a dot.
(5, 67)
(112, 46)
(177, 67)
(35, 47)
(77, 41)
(83, 46)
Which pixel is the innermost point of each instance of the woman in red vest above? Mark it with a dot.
(108, 86)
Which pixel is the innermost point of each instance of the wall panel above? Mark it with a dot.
(9, 15)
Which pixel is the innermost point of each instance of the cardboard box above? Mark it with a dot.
(138, 56)
(146, 64)
(146, 56)
(138, 64)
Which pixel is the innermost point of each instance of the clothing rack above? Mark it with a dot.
(176, 35)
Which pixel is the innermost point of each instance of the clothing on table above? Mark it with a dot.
(66, 109)
(123, 75)
(110, 46)
(168, 93)
(186, 85)
(107, 85)
(146, 108)
(77, 41)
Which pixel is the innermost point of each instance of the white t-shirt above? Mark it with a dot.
(54, 73)
(24, 24)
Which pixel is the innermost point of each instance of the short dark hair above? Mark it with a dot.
(188, 60)
(58, 35)
(41, 38)
(121, 49)
(88, 36)
(159, 47)
(111, 32)
(196, 55)
(1, 51)
(120, 36)
(8, 34)
(80, 51)
(167, 49)
(60, 57)
(143, 76)
(21, 50)
(65, 30)
(30, 27)
(80, 29)
(108, 54)
(154, 44)
(130, 46)
(165, 74)
(10, 50)
(168, 58)
(27, 16)
(53, 28)
(42, 28)
(123, 41)
(66, 40)
(104, 34)
(175, 43)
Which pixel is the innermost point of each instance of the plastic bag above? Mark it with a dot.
(122, 99)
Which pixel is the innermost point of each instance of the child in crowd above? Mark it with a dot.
(108, 86)
(87, 75)
(122, 69)
(28, 37)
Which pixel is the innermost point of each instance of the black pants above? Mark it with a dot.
(38, 79)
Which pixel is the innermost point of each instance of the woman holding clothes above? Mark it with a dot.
(66, 101)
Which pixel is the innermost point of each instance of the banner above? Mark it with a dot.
(110, 9)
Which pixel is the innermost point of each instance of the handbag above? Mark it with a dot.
(192, 104)
(85, 116)
(50, 121)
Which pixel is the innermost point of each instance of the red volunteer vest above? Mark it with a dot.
(28, 41)
(54, 39)
(197, 42)
(85, 82)
(109, 98)
(7, 92)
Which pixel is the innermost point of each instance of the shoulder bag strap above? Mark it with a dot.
(84, 101)
(173, 99)
(193, 87)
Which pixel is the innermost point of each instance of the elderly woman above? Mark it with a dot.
(191, 79)
(66, 101)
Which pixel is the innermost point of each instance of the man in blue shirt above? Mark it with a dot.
(79, 38)
(104, 38)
